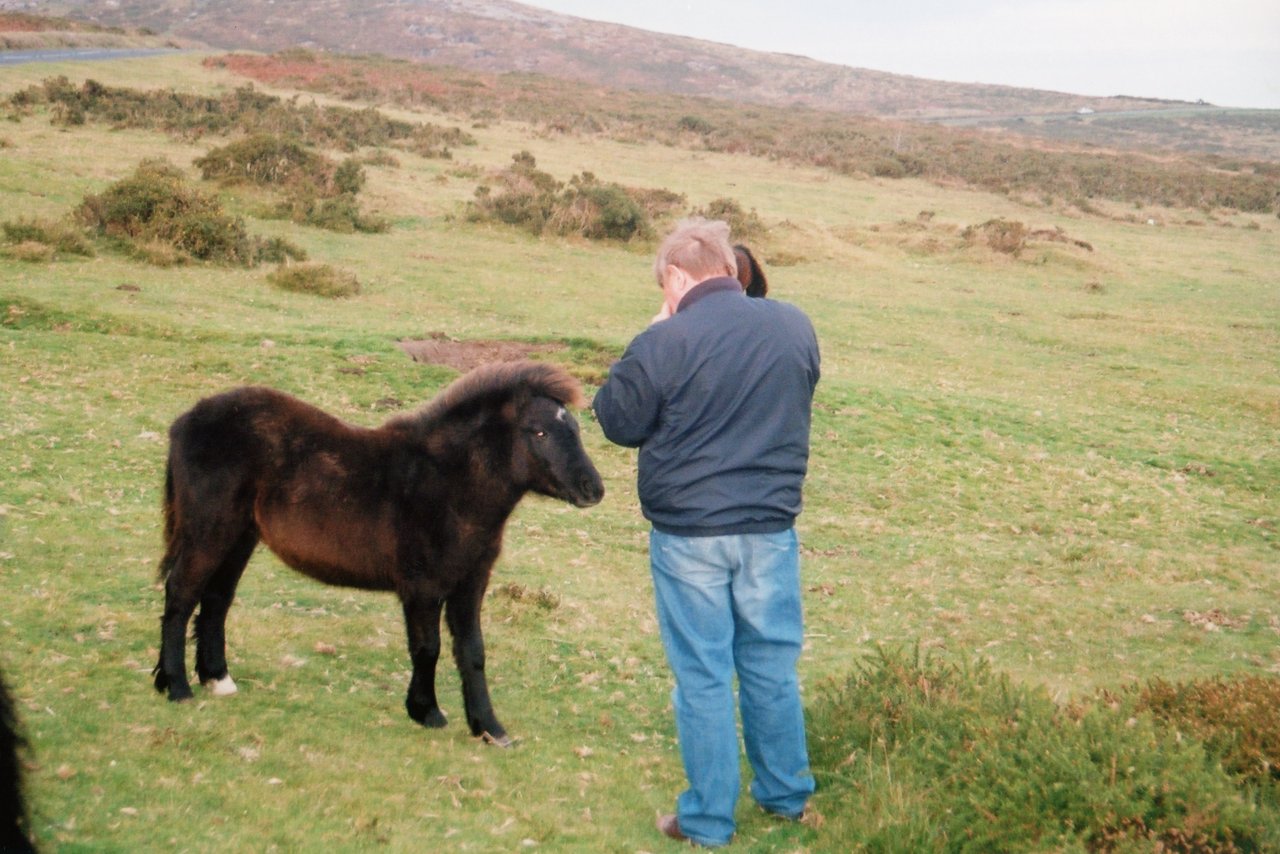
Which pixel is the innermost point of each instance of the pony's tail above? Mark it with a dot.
(170, 526)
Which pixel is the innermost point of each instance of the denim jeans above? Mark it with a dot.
(731, 604)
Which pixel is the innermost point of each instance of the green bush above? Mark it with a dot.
(156, 204)
(1008, 237)
(164, 220)
(59, 237)
(936, 757)
(277, 250)
(340, 213)
(317, 191)
(245, 110)
(599, 211)
(319, 279)
(1238, 719)
(267, 161)
(744, 225)
(531, 199)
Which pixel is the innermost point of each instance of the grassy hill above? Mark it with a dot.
(1043, 449)
(498, 36)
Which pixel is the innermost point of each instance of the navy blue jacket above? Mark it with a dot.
(717, 398)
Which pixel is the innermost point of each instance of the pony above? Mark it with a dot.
(416, 506)
(13, 810)
(750, 273)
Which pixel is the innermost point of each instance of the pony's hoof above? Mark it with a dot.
(224, 687)
(502, 740)
(428, 717)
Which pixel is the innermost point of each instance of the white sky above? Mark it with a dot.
(1226, 52)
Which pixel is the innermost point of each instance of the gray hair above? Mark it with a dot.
(700, 247)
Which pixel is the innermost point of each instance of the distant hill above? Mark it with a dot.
(498, 35)
(503, 36)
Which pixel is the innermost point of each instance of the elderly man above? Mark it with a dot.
(717, 394)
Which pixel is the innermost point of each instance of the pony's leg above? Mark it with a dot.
(462, 613)
(211, 621)
(181, 592)
(422, 623)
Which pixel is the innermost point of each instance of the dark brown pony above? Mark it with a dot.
(750, 273)
(13, 810)
(417, 506)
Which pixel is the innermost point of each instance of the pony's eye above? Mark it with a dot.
(541, 434)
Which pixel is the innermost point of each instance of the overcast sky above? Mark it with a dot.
(1226, 52)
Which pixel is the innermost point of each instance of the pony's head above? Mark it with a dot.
(548, 454)
(530, 402)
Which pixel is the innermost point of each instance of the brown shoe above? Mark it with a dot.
(670, 827)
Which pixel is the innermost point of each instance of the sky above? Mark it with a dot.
(1226, 52)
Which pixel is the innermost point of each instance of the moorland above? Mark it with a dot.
(1040, 525)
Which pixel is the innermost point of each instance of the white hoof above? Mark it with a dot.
(224, 687)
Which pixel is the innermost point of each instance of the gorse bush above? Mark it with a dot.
(983, 764)
(316, 190)
(244, 110)
(164, 219)
(267, 161)
(58, 237)
(599, 211)
(1237, 719)
(1008, 237)
(744, 225)
(535, 201)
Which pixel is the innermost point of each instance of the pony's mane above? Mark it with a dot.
(495, 381)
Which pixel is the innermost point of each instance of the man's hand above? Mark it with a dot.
(663, 313)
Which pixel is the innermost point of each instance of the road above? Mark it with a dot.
(21, 57)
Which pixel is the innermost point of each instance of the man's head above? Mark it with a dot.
(697, 250)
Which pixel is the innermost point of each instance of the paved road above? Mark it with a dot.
(20, 57)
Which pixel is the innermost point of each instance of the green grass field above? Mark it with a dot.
(1062, 463)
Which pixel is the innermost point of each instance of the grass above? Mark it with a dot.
(1047, 464)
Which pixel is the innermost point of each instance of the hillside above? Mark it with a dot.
(498, 35)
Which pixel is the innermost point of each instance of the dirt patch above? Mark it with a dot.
(439, 349)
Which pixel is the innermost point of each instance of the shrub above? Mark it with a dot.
(1235, 718)
(319, 279)
(59, 237)
(339, 213)
(244, 109)
(156, 204)
(999, 235)
(266, 160)
(277, 250)
(535, 201)
(159, 217)
(695, 124)
(744, 225)
(599, 211)
(31, 251)
(942, 757)
(658, 203)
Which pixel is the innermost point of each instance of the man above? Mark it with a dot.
(716, 394)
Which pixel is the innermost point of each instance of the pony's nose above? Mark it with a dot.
(591, 488)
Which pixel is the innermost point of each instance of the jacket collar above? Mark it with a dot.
(708, 287)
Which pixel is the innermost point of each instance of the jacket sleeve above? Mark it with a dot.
(629, 403)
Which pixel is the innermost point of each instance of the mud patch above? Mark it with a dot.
(439, 349)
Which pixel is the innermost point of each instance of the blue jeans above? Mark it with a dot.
(731, 604)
